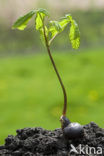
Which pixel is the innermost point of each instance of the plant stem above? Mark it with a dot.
(57, 73)
(52, 39)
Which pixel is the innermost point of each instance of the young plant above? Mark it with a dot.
(48, 32)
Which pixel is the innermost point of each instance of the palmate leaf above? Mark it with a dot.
(57, 27)
(21, 23)
(74, 35)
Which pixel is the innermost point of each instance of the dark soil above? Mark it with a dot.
(41, 142)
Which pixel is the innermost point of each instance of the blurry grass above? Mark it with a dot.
(30, 94)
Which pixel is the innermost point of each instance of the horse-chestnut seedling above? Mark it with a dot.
(48, 32)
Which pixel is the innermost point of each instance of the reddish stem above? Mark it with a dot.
(57, 73)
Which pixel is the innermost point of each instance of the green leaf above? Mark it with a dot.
(43, 11)
(42, 34)
(55, 28)
(39, 21)
(53, 31)
(68, 17)
(56, 25)
(41, 14)
(74, 35)
(63, 23)
(21, 23)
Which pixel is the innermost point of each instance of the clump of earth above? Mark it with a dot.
(40, 142)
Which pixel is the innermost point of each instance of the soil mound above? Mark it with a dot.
(40, 142)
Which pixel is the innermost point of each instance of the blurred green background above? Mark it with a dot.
(30, 94)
